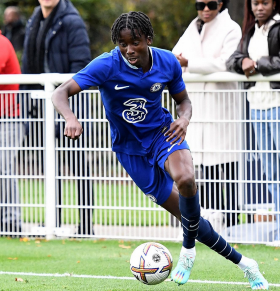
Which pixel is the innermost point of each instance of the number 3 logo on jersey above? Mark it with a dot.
(137, 111)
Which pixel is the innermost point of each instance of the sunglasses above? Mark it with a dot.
(212, 5)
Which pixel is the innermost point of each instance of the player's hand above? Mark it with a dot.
(177, 130)
(183, 61)
(73, 129)
(248, 67)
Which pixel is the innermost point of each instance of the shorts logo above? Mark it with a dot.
(169, 149)
(137, 111)
(156, 87)
(153, 198)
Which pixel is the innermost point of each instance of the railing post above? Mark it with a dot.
(49, 162)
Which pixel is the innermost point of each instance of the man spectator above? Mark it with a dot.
(57, 42)
(14, 29)
(11, 136)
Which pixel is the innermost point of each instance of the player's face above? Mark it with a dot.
(208, 13)
(48, 4)
(135, 50)
(262, 9)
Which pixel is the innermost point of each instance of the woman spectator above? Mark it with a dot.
(258, 52)
(204, 48)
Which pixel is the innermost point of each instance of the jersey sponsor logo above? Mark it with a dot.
(120, 88)
(153, 198)
(169, 149)
(137, 111)
(156, 87)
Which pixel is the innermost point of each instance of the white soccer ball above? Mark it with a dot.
(151, 263)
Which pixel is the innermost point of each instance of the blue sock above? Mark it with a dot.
(190, 214)
(208, 236)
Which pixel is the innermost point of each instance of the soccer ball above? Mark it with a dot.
(151, 263)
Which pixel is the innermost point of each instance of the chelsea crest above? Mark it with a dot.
(156, 87)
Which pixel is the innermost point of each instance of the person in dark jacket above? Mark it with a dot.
(14, 28)
(57, 42)
(259, 52)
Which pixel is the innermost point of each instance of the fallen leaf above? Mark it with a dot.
(49, 255)
(121, 241)
(253, 246)
(104, 247)
(24, 239)
(19, 280)
(101, 239)
(95, 241)
(78, 262)
(262, 262)
(125, 247)
(236, 246)
(63, 242)
(37, 242)
(12, 258)
(275, 259)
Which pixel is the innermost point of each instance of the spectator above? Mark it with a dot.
(203, 49)
(14, 29)
(57, 42)
(12, 134)
(258, 52)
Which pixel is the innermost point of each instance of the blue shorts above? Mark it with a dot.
(148, 171)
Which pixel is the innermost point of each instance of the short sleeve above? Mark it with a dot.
(176, 85)
(95, 73)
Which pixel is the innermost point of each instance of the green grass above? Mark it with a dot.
(106, 257)
(118, 194)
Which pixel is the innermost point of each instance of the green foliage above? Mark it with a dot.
(169, 18)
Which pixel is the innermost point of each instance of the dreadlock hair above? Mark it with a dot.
(132, 20)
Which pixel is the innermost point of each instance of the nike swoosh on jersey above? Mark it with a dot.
(120, 88)
(169, 149)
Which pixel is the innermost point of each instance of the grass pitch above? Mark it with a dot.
(111, 258)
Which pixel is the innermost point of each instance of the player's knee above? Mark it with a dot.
(186, 185)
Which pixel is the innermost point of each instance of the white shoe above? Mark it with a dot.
(181, 273)
(254, 276)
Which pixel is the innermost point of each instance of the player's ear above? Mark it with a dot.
(149, 40)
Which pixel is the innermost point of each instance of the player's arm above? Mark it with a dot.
(178, 129)
(73, 128)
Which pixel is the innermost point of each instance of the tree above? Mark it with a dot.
(169, 18)
(236, 10)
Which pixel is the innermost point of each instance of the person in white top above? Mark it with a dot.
(205, 46)
(259, 52)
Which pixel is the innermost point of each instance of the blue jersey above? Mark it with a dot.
(132, 99)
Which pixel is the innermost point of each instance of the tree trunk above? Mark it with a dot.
(236, 10)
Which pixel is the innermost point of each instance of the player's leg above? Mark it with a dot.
(180, 167)
(209, 237)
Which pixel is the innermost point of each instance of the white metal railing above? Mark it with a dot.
(120, 209)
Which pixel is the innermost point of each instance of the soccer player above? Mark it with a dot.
(149, 144)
